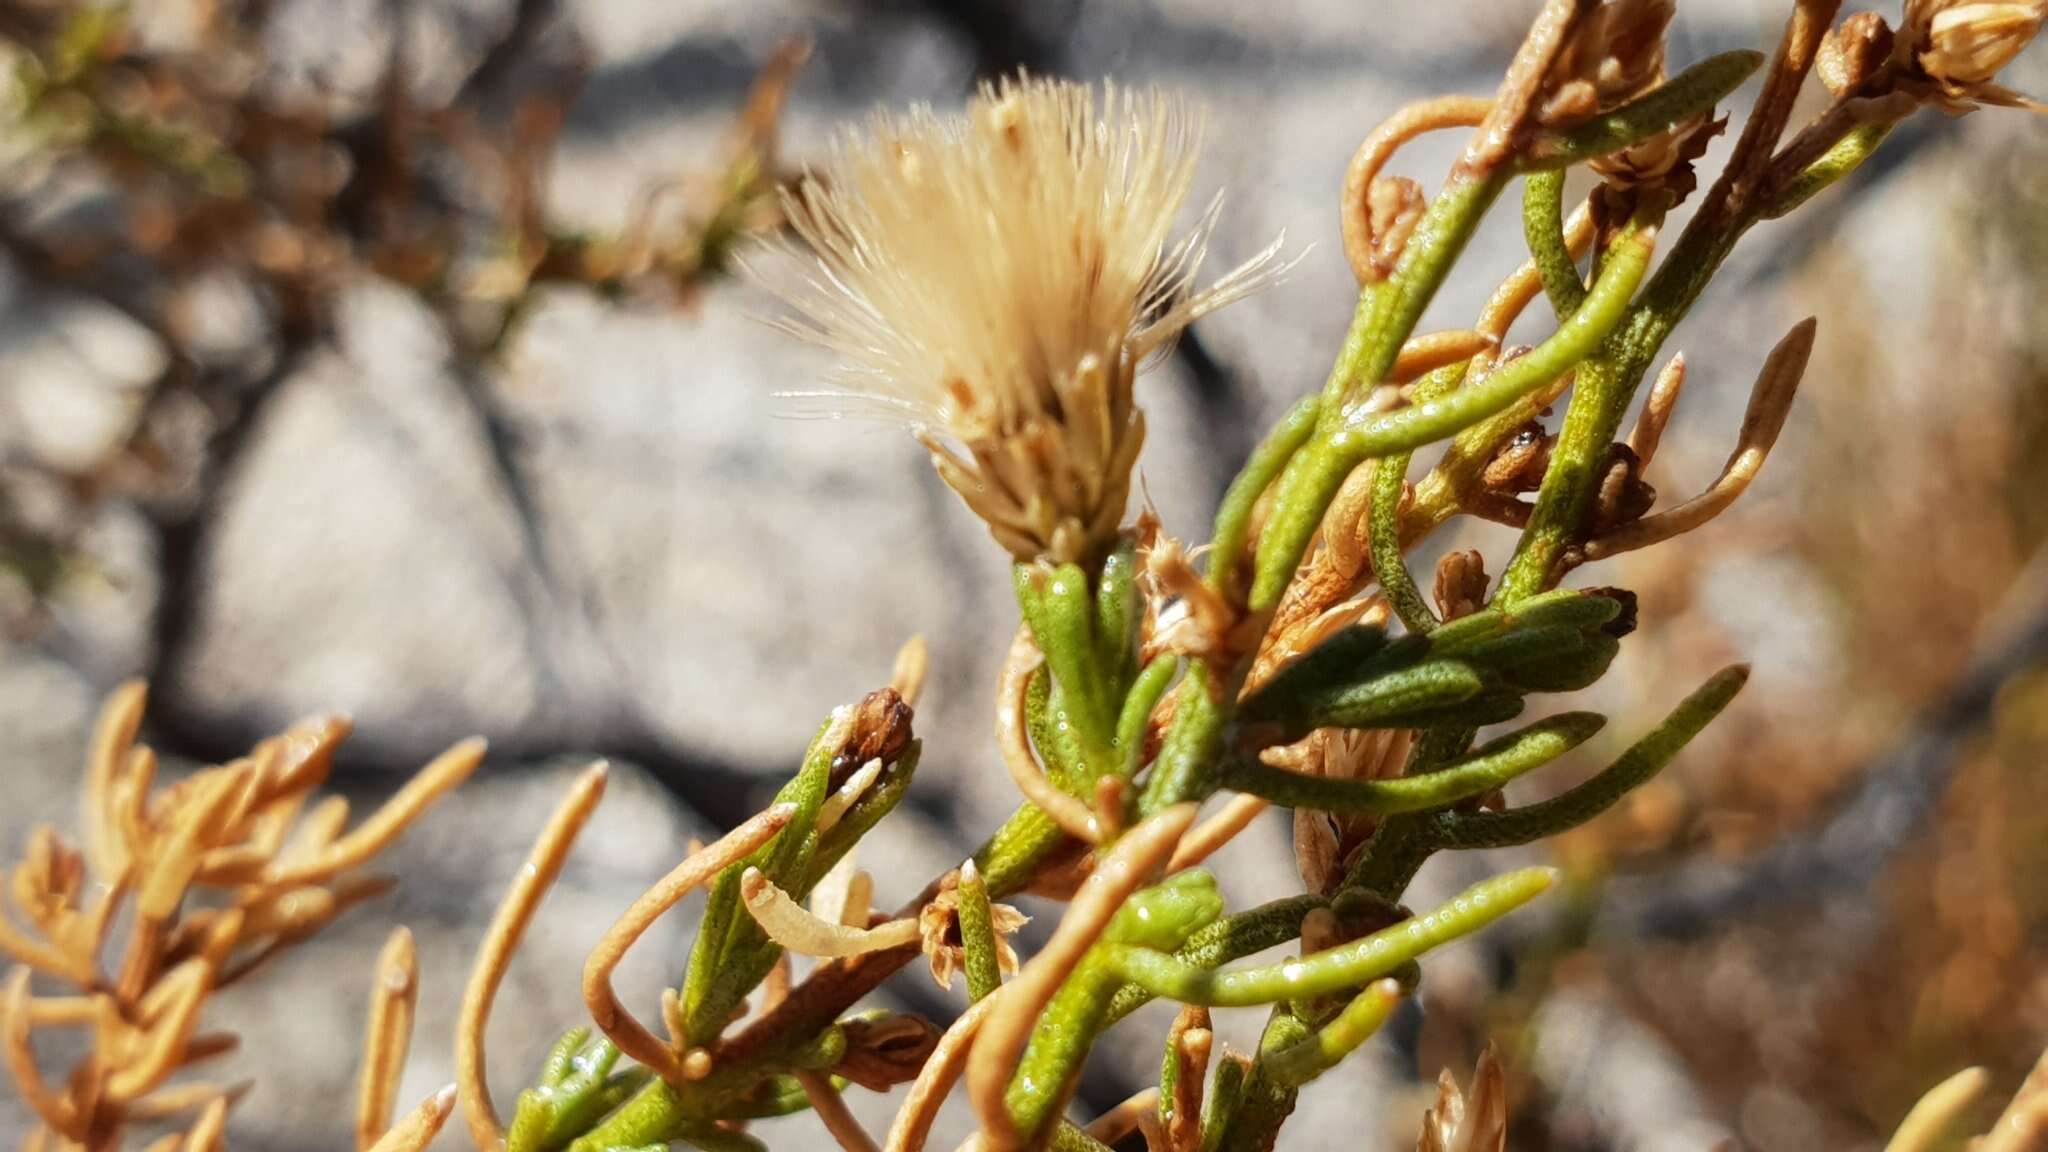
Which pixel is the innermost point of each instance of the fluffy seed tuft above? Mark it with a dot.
(996, 279)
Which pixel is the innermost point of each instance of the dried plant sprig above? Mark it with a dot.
(1212, 834)
(996, 280)
(2023, 1126)
(1112, 1126)
(832, 1110)
(1181, 1077)
(1958, 47)
(912, 1126)
(1648, 433)
(359, 844)
(913, 661)
(838, 803)
(273, 875)
(1073, 815)
(1371, 244)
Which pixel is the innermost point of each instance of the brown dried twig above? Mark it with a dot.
(1770, 402)
(1012, 699)
(394, 992)
(494, 956)
(631, 1036)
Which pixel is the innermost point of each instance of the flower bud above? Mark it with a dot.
(1851, 51)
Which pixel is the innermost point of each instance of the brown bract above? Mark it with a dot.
(939, 933)
(1473, 1120)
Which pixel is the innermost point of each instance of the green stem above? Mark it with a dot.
(1267, 1100)
(1299, 1063)
(1322, 465)
(1010, 856)
(731, 953)
(1185, 768)
(1386, 540)
(1146, 692)
(1398, 850)
(1234, 515)
(1116, 621)
(1059, 607)
(1398, 303)
(978, 935)
(1389, 566)
(1601, 391)
(1543, 227)
(877, 802)
(1067, 1138)
(1847, 155)
(1336, 969)
(1352, 354)
(1226, 1096)
(1231, 938)
(1491, 767)
(1643, 760)
(1163, 916)
(1048, 1069)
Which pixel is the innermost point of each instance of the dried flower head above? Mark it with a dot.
(996, 280)
(1963, 43)
(1959, 47)
(1664, 160)
(1325, 842)
(1460, 584)
(1615, 52)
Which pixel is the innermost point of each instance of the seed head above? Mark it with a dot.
(1960, 43)
(1948, 52)
(996, 279)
